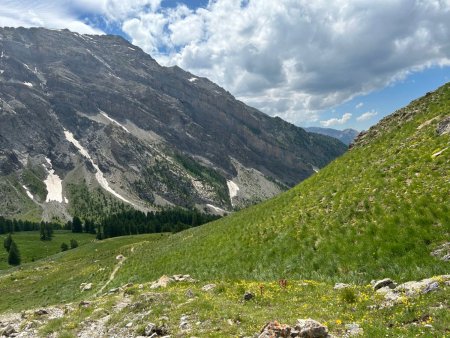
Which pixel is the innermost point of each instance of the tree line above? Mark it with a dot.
(134, 222)
(15, 225)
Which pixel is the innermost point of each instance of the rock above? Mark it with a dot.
(9, 331)
(130, 324)
(414, 288)
(152, 330)
(383, 283)
(275, 330)
(120, 257)
(84, 303)
(442, 252)
(248, 295)
(311, 329)
(183, 278)
(162, 282)
(114, 290)
(339, 286)
(353, 330)
(41, 312)
(189, 294)
(443, 126)
(208, 287)
(184, 323)
(85, 286)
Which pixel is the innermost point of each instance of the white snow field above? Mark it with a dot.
(114, 121)
(53, 184)
(233, 189)
(98, 174)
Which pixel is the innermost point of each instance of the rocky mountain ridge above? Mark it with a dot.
(81, 111)
(346, 136)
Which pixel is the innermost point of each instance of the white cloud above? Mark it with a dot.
(296, 58)
(367, 116)
(359, 105)
(335, 121)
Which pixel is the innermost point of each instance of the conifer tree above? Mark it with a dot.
(14, 254)
(77, 226)
(7, 242)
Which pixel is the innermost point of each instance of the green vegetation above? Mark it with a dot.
(13, 254)
(64, 247)
(33, 180)
(33, 249)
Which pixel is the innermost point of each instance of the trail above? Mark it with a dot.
(113, 274)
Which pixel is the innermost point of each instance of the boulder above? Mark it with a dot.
(310, 328)
(443, 126)
(152, 330)
(275, 329)
(9, 331)
(353, 330)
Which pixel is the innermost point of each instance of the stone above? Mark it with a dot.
(208, 287)
(442, 252)
(339, 286)
(130, 324)
(85, 286)
(275, 329)
(41, 312)
(9, 331)
(162, 282)
(443, 126)
(248, 295)
(189, 294)
(353, 330)
(310, 328)
(152, 330)
(383, 283)
(84, 303)
(120, 257)
(413, 288)
(114, 290)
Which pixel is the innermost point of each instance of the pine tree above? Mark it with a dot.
(7, 242)
(14, 254)
(77, 226)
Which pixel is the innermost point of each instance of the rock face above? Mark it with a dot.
(96, 108)
(346, 136)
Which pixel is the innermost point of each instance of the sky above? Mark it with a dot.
(329, 63)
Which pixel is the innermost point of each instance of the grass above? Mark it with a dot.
(222, 312)
(32, 248)
(378, 211)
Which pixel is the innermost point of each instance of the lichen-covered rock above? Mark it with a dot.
(310, 328)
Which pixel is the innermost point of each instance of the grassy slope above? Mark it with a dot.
(31, 248)
(377, 211)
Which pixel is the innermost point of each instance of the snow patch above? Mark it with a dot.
(30, 195)
(131, 48)
(28, 84)
(114, 121)
(193, 79)
(315, 169)
(1, 71)
(53, 184)
(99, 176)
(99, 59)
(233, 189)
(26, 66)
(66, 200)
(216, 209)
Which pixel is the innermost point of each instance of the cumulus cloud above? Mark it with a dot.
(296, 58)
(367, 116)
(336, 121)
(291, 58)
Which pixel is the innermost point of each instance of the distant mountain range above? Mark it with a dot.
(346, 136)
(91, 124)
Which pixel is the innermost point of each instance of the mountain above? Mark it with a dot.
(346, 136)
(379, 211)
(91, 124)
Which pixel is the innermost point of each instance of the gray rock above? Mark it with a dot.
(443, 126)
(85, 286)
(41, 312)
(353, 330)
(189, 294)
(152, 330)
(442, 252)
(9, 331)
(248, 295)
(339, 286)
(383, 283)
(208, 287)
(310, 328)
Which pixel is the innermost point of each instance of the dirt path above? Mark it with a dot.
(113, 274)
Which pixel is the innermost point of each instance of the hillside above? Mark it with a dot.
(90, 124)
(379, 211)
(346, 136)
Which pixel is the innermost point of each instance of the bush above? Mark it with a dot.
(73, 244)
(14, 254)
(348, 295)
(64, 247)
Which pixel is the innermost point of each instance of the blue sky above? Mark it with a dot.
(339, 64)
